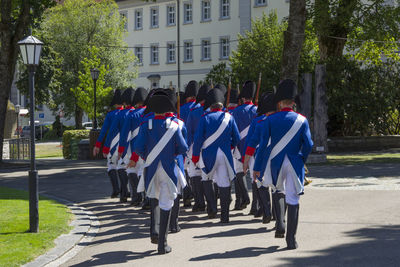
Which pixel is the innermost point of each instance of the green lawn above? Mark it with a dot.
(17, 245)
(48, 151)
(363, 158)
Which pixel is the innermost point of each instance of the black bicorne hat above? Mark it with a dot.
(117, 99)
(140, 96)
(191, 90)
(172, 96)
(182, 98)
(201, 95)
(286, 90)
(160, 103)
(248, 90)
(221, 87)
(127, 95)
(214, 96)
(234, 96)
(267, 104)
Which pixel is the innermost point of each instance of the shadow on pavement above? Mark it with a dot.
(116, 257)
(376, 246)
(238, 253)
(235, 232)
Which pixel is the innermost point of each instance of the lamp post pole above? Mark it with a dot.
(178, 29)
(95, 75)
(17, 110)
(30, 51)
(33, 174)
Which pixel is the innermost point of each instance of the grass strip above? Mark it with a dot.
(17, 245)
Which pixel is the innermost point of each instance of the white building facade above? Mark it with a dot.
(208, 34)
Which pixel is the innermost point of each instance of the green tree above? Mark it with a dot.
(84, 93)
(219, 73)
(15, 18)
(261, 49)
(71, 30)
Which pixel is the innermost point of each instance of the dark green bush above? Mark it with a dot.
(70, 141)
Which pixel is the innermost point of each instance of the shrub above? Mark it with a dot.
(70, 141)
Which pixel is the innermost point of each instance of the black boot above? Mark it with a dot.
(136, 198)
(187, 196)
(254, 201)
(225, 200)
(146, 203)
(279, 203)
(114, 182)
(265, 203)
(238, 195)
(210, 197)
(241, 177)
(154, 220)
(123, 179)
(199, 204)
(216, 191)
(163, 234)
(173, 225)
(292, 222)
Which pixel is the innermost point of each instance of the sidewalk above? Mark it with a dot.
(349, 216)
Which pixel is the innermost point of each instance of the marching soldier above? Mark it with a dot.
(243, 115)
(126, 145)
(281, 163)
(193, 171)
(265, 108)
(159, 141)
(216, 134)
(111, 167)
(113, 138)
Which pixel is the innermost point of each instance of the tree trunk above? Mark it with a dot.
(320, 111)
(293, 42)
(10, 33)
(306, 95)
(78, 117)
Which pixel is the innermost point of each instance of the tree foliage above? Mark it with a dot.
(84, 93)
(260, 50)
(219, 74)
(70, 31)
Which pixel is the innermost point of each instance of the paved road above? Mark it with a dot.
(349, 216)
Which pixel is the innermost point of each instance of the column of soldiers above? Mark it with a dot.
(164, 150)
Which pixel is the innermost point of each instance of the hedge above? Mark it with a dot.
(70, 141)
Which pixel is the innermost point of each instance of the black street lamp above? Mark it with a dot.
(30, 50)
(95, 75)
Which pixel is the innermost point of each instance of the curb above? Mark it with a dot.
(86, 226)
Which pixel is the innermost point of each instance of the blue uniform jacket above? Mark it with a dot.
(131, 123)
(192, 122)
(254, 137)
(147, 139)
(106, 125)
(297, 149)
(115, 129)
(243, 115)
(208, 125)
(186, 108)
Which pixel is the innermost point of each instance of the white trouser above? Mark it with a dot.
(162, 188)
(110, 165)
(220, 174)
(292, 198)
(192, 170)
(138, 169)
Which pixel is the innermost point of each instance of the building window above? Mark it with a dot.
(187, 13)
(124, 15)
(171, 53)
(188, 51)
(224, 48)
(138, 19)
(225, 9)
(205, 10)
(154, 17)
(139, 55)
(170, 15)
(260, 3)
(206, 49)
(154, 54)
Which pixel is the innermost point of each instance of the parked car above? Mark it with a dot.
(87, 125)
(40, 131)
